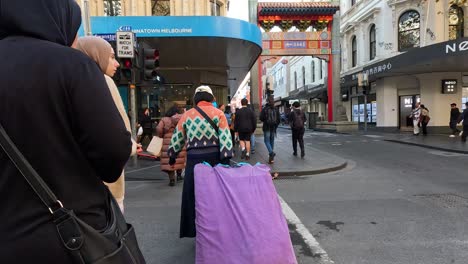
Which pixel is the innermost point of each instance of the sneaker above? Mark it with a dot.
(452, 136)
(252, 151)
(247, 156)
(271, 158)
(295, 154)
(461, 133)
(302, 155)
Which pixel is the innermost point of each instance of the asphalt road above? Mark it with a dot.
(394, 204)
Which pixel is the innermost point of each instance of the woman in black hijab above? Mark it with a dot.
(57, 109)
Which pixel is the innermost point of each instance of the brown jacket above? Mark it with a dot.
(165, 130)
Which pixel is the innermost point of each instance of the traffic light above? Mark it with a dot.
(126, 68)
(151, 63)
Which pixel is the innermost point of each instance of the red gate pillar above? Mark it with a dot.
(330, 88)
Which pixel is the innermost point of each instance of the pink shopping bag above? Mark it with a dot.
(239, 218)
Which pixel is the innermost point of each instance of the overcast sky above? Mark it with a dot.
(240, 8)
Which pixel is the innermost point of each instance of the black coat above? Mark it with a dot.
(454, 114)
(245, 121)
(57, 108)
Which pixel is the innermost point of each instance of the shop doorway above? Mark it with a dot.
(407, 103)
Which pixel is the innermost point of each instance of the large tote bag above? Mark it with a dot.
(239, 217)
(155, 146)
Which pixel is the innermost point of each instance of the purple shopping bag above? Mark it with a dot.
(239, 218)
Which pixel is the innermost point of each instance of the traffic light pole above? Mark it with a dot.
(365, 111)
(133, 107)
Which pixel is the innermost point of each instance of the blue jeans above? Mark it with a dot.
(269, 137)
(252, 142)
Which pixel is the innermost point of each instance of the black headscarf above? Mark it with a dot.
(53, 20)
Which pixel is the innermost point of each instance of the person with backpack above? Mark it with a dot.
(270, 117)
(297, 119)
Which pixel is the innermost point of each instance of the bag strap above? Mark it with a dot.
(28, 172)
(212, 123)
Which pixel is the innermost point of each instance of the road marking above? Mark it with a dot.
(146, 168)
(447, 154)
(373, 136)
(308, 238)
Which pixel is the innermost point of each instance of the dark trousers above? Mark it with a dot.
(453, 126)
(465, 133)
(424, 127)
(187, 216)
(298, 135)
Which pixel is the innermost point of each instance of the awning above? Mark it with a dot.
(449, 56)
(193, 49)
(308, 92)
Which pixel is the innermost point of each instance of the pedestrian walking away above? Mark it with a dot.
(464, 121)
(164, 130)
(204, 130)
(56, 107)
(103, 54)
(297, 119)
(270, 117)
(245, 125)
(230, 117)
(415, 115)
(454, 118)
(424, 119)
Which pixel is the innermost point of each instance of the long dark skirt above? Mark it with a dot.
(187, 216)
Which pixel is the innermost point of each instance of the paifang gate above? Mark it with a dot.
(314, 38)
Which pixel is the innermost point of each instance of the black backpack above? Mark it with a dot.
(271, 116)
(298, 120)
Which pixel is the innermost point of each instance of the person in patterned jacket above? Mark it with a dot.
(204, 143)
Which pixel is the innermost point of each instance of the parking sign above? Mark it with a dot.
(125, 43)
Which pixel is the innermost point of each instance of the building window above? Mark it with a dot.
(372, 43)
(215, 8)
(295, 80)
(112, 8)
(320, 69)
(353, 2)
(456, 22)
(160, 8)
(408, 30)
(303, 75)
(353, 52)
(312, 64)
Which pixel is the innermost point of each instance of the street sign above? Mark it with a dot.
(125, 28)
(125, 44)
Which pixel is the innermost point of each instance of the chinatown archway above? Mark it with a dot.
(313, 20)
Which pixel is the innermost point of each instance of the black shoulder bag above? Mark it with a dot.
(116, 244)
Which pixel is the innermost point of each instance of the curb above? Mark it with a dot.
(311, 172)
(426, 146)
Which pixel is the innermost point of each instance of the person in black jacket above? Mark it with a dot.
(297, 119)
(454, 116)
(464, 120)
(56, 107)
(245, 125)
(270, 117)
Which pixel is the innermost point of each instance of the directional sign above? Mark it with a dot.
(125, 28)
(125, 44)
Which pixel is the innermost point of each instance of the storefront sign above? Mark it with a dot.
(449, 86)
(462, 46)
(374, 70)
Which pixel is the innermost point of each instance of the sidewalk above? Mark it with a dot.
(315, 161)
(435, 141)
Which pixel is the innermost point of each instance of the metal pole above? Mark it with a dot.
(86, 19)
(133, 116)
(365, 110)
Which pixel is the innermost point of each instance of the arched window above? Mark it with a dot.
(353, 2)
(312, 64)
(295, 80)
(354, 52)
(320, 69)
(303, 76)
(112, 8)
(372, 43)
(456, 22)
(408, 30)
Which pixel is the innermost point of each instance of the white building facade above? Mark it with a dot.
(411, 50)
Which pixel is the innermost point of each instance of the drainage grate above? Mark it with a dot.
(445, 200)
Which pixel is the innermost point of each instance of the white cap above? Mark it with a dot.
(204, 88)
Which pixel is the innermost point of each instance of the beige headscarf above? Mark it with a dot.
(97, 49)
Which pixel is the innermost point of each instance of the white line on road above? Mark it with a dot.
(308, 238)
(145, 168)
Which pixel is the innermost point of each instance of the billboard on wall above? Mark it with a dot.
(296, 43)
